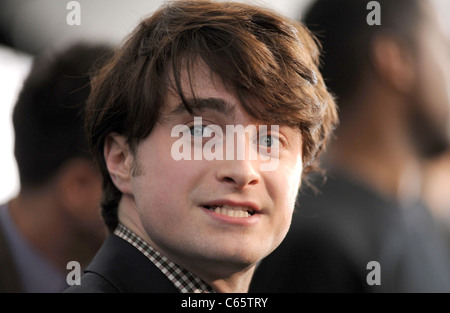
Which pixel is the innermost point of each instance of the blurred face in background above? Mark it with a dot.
(79, 189)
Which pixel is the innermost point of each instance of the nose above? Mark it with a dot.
(238, 173)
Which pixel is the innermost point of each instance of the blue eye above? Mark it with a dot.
(200, 131)
(269, 141)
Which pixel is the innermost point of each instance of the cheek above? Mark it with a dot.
(165, 184)
(292, 177)
(433, 97)
(434, 76)
(158, 201)
(283, 187)
(295, 181)
(435, 84)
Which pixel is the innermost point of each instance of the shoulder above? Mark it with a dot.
(92, 283)
(119, 267)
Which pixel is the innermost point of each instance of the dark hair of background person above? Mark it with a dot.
(48, 115)
(345, 58)
(254, 51)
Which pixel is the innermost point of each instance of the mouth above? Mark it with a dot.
(231, 210)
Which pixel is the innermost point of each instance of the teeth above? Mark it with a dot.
(227, 210)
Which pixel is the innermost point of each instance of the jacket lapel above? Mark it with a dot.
(128, 269)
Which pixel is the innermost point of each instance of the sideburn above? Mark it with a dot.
(135, 169)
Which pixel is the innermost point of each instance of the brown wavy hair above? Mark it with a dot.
(263, 56)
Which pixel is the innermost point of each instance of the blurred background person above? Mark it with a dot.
(56, 216)
(392, 86)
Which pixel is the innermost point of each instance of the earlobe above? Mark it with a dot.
(118, 161)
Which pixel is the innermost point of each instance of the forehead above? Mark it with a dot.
(197, 88)
(197, 80)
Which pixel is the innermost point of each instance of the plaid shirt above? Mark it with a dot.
(182, 279)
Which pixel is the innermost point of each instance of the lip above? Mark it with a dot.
(256, 209)
(242, 221)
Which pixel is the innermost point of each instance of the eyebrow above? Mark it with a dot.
(202, 104)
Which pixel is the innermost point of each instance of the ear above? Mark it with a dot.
(118, 160)
(393, 62)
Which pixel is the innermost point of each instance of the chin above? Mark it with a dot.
(241, 255)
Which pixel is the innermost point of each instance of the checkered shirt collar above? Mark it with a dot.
(183, 280)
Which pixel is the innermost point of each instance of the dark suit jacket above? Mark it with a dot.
(120, 267)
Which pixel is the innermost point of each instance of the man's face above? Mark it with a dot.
(183, 206)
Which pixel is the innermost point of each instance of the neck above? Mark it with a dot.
(374, 146)
(235, 283)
